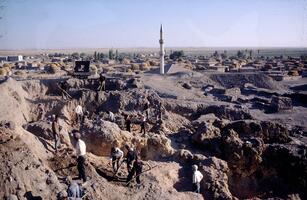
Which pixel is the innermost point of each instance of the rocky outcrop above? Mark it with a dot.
(224, 112)
(156, 147)
(188, 157)
(270, 132)
(207, 136)
(281, 103)
(215, 182)
(181, 107)
(283, 159)
(223, 94)
(243, 157)
(187, 86)
(102, 136)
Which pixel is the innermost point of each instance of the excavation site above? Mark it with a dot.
(246, 133)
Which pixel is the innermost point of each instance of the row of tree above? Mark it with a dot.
(111, 55)
(240, 54)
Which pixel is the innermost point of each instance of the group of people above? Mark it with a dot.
(75, 190)
(134, 167)
(134, 164)
(117, 157)
(144, 119)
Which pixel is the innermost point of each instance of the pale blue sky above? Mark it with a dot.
(42, 24)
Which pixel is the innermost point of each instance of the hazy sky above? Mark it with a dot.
(41, 24)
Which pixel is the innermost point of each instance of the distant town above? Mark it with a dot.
(279, 67)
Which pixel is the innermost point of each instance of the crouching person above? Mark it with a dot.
(116, 156)
(74, 191)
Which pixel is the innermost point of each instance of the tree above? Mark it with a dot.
(250, 53)
(224, 55)
(176, 55)
(101, 56)
(75, 55)
(95, 55)
(116, 55)
(215, 54)
(111, 54)
(304, 57)
(120, 58)
(82, 55)
(240, 54)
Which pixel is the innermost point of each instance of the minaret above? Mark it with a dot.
(161, 51)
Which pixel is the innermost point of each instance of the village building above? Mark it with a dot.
(15, 58)
(3, 58)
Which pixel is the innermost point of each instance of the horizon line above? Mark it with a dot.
(171, 47)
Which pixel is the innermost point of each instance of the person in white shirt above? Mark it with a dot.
(79, 113)
(116, 156)
(111, 116)
(197, 177)
(143, 125)
(81, 153)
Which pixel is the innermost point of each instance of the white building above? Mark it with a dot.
(162, 52)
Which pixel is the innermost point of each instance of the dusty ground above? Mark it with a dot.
(244, 150)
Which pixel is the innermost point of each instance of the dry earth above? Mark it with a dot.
(245, 148)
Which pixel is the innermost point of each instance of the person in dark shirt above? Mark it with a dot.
(102, 83)
(146, 109)
(136, 170)
(128, 123)
(56, 132)
(130, 157)
(63, 85)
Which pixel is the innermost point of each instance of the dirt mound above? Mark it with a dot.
(22, 171)
(231, 80)
(13, 100)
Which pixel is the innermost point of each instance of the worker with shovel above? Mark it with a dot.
(116, 156)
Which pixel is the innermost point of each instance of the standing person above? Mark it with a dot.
(41, 112)
(81, 153)
(160, 109)
(63, 85)
(137, 170)
(197, 177)
(130, 157)
(111, 116)
(102, 84)
(146, 109)
(116, 156)
(143, 124)
(79, 113)
(128, 123)
(56, 132)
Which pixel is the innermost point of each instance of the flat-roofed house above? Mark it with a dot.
(15, 58)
